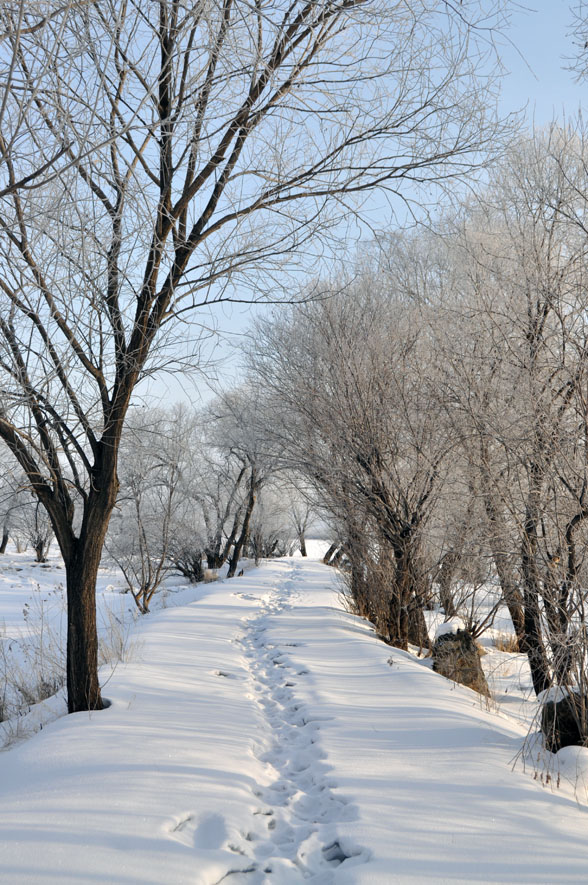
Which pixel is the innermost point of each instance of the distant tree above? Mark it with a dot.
(12, 499)
(238, 429)
(154, 457)
(269, 530)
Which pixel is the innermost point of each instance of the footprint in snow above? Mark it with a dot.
(299, 801)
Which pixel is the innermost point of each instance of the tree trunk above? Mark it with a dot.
(449, 564)
(82, 557)
(4, 542)
(338, 557)
(216, 557)
(240, 543)
(39, 549)
(418, 633)
(83, 689)
(329, 553)
(532, 643)
(408, 595)
(302, 544)
(358, 587)
(511, 593)
(399, 592)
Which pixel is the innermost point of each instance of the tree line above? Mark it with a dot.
(198, 492)
(438, 404)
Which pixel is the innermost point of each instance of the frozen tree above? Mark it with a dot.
(514, 353)
(238, 429)
(269, 529)
(155, 457)
(355, 407)
(12, 499)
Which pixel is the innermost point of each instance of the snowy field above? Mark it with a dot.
(260, 734)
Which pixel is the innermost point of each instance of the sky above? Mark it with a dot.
(535, 50)
(542, 45)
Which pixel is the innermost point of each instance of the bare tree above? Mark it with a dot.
(239, 430)
(154, 456)
(220, 495)
(302, 515)
(202, 142)
(358, 418)
(515, 365)
(23, 92)
(269, 528)
(12, 498)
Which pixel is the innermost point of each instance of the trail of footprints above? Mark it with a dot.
(286, 841)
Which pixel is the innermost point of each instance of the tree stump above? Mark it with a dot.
(456, 656)
(564, 722)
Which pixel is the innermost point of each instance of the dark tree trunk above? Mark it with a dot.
(213, 560)
(82, 557)
(4, 542)
(533, 644)
(40, 551)
(83, 689)
(217, 557)
(302, 544)
(338, 557)
(359, 591)
(445, 577)
(561, 584)
(417, 627)
(407, 595)
(329, 553)
(242, 540)
(399, 590)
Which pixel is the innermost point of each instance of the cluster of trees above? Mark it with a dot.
(198, 491)
(159, 156)
(438, 403)
(24, 520)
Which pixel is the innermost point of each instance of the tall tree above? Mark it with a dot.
(359, 420)
(515, 365)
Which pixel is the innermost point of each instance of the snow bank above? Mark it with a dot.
(555, 693)
(453, 625)
(265, 736)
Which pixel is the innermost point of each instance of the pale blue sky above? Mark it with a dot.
(542, 34)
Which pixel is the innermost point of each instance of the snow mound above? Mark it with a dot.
(555, 693)
(453, 625)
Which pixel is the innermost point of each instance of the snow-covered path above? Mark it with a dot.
(293, 834)
(262, 736)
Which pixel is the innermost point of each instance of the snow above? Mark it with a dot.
(260, 734)
(453, 625)
(553, 694)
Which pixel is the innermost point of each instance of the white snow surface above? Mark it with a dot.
(263, 735)
(555, 693)
(453, 625)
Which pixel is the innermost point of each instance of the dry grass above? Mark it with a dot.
(506, 642)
